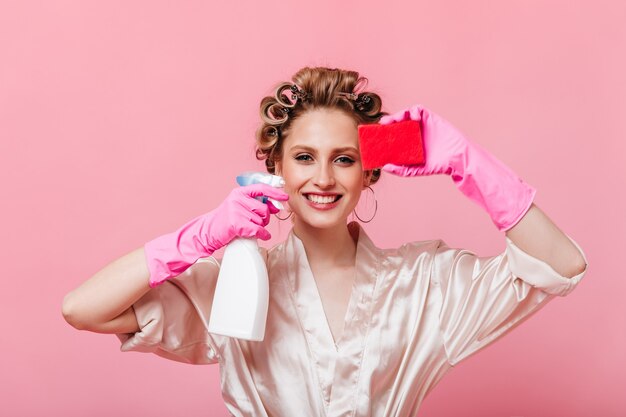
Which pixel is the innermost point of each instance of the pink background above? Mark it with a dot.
(119, 121)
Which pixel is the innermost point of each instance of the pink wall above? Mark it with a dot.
(119, 121)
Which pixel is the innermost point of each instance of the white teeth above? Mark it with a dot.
(321, 199)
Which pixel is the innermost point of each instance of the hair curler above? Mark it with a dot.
(242, 292)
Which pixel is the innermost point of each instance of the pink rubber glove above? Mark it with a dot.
(239, 215)
(476, 173)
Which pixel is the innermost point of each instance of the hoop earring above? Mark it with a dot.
(280, 218)
(375, 208)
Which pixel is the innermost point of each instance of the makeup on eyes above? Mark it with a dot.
(349, 159)
(348, 152)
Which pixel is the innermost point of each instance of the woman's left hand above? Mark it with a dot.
(442, 142)
(475, 172)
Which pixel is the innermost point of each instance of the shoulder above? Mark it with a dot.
(430, 246)
(414, 252)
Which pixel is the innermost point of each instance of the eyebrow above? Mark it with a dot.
(336, 150)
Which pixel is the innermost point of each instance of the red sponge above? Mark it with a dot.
(397, 143)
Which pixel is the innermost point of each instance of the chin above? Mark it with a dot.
(322, 221)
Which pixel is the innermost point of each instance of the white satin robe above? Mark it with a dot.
(414, 312)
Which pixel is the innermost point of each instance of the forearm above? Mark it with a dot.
(538, 236)
(124, 323)
(99, 302)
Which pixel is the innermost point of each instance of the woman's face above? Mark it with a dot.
(321, 165)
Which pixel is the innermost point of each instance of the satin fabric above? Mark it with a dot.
(414, 312)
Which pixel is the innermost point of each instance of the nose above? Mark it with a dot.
(324, 176)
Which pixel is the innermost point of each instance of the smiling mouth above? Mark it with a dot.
(319, 199)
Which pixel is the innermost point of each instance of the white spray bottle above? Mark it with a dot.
(242, 292)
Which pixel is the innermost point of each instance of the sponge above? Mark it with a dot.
(397, 143)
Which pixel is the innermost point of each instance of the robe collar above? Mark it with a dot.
(337, 364)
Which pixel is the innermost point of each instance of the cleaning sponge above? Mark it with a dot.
(397, 143)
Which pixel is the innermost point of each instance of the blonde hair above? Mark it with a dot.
(325, 88)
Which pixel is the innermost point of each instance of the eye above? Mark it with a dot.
(345, 160)
(303, 157)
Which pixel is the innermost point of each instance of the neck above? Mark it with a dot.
(332, 247)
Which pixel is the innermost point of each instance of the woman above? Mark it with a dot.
(351, 329)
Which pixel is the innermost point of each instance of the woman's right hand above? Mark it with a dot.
(242, 215)
(103, 303)
(239, 215)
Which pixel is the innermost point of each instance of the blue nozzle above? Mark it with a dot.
(252, 177)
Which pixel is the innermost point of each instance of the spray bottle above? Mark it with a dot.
(242, 292)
